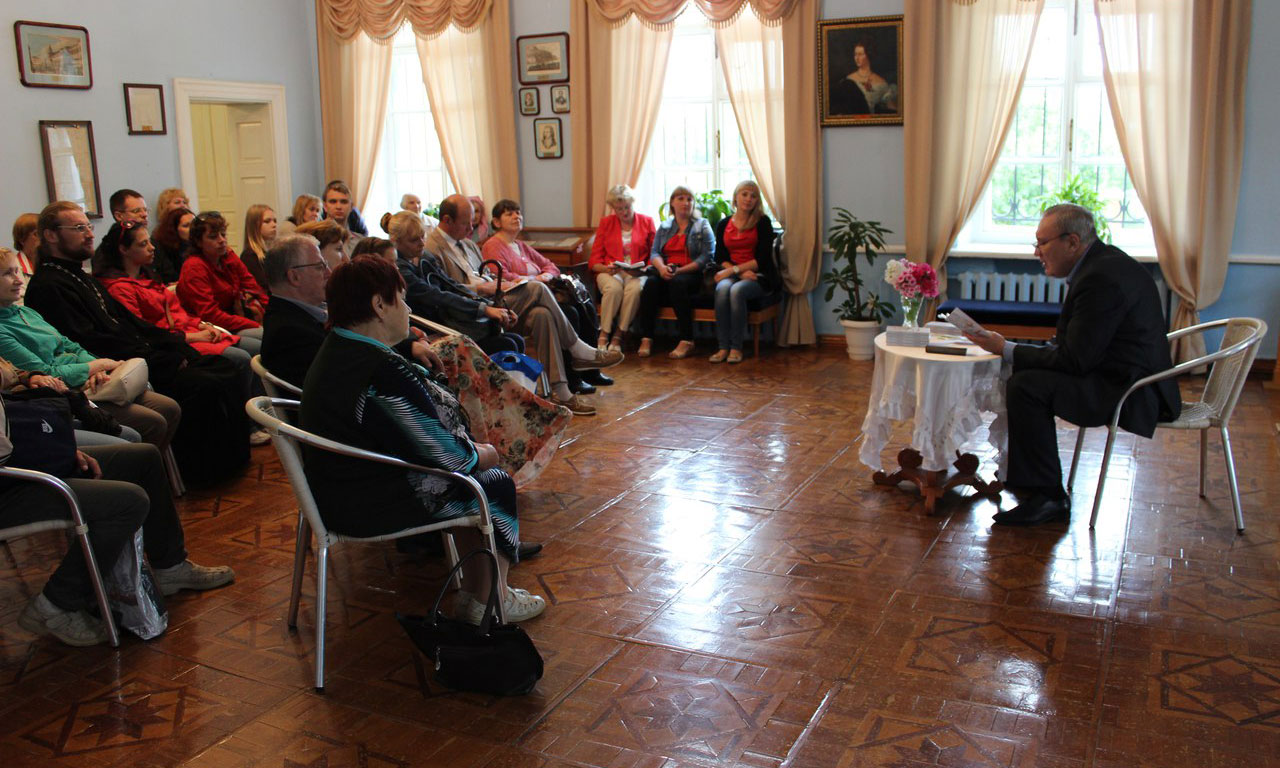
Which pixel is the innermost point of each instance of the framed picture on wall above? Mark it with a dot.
(53, 55)
(144, 109)
(560, 99)
(529, 101)
(860, 71)
(71, 163)
(546, 138)
(543, 58)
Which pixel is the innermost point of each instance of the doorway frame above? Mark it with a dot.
(188, 90)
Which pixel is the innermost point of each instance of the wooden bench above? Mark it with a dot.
(754, 319)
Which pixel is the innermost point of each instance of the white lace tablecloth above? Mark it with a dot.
(943, 396)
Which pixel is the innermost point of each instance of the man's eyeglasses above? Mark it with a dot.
(322, 264)
(81, 228)
(1037, 245)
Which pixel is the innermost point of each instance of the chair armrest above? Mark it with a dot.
(431, 325)
(43, 478)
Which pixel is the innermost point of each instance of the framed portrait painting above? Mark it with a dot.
(529, 102)
(71, 163)
(53, 55)
(144, 109)
(860, 71)
(546, 138)
(560, 99)
(543, 58)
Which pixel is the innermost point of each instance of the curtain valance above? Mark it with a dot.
(662, 13)
(381, 19)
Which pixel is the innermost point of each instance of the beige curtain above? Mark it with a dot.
(616, 76)
(663, 12)
(771, 77)
(355, 75)
(382, 19)
(1175, 73)
(468, 79)
(962, 75)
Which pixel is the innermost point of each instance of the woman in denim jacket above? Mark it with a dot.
(682, 248)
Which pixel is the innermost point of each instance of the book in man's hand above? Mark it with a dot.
(966, 324)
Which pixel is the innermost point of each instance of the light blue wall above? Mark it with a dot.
(546, 186)
(154, 41)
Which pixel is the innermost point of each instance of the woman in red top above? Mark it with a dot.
(744, 253)
(623, 237)
(682, 248)
(216, 287)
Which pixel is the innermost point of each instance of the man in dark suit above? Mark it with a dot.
(1110, 334)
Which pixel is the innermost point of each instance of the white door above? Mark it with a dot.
(234, 158)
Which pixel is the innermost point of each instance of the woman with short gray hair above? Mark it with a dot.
(619, 256)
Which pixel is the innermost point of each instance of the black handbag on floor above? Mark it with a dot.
(492, 658)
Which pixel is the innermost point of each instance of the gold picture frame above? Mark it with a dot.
(71, 164)
(860, 71)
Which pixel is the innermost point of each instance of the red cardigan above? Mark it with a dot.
(608, 245)
(153, 302)
(210, 292)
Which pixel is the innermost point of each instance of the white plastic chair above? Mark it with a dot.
(76, 524)
(1231, 364)
(286, 439)
(272, 384)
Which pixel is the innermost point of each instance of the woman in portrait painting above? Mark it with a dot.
(862, 91)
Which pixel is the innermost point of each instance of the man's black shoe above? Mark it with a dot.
(596, 377)
(1036, 510)
(529, 549)
(581, 387)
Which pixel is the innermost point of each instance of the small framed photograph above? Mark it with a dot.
(53, 55)
(546, 138)
(144, 109)
(560, 99)
(529, 102)
(543, 58)
(71, 163)
(860, 71)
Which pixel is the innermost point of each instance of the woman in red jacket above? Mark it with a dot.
(623, 237)
(216, 287)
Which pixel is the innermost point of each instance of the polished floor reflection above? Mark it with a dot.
(725, 587)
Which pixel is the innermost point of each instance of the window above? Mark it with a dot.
(695, 141)
(1062, 127)
(410, 159)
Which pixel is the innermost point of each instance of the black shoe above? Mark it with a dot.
(581, 387)
(529, 549)
(596, 377)
(1040, 508)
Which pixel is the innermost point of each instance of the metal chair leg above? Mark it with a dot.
(1204, 454)
(322, 567)
(451, 552)
(99, 589)
(299, 567)
(1075, 458)
(175, 475)
(1231, 479)
(1102, 476)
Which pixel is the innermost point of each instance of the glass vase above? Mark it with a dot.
(911, 312)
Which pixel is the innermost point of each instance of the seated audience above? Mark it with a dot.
(340, 208)
(682, 247)
(520, 260)
(171, 239)
(1110, 334)
(376, 246)
(434, 295)
(413, 204)
(538, 314)
(119, 489)
(622, 236)
(259, 230)
(216, 287)
(92, 425)
(128, 205)
(32, 344)
(306, 208)
(171, 199)
(210, 443)
(744, 254)
(523, 428)
(333, 239)
(26, 239)
(359, 391)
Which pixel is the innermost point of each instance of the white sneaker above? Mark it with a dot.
(518, 604)
(259, 437)
(188, 575)
(42, 617)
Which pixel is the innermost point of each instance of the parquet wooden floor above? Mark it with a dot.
(725, 587)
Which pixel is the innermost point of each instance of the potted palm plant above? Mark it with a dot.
(862, 313)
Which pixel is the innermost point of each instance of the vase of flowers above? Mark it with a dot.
(914, 283)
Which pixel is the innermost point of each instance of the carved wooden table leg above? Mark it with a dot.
(931, 482)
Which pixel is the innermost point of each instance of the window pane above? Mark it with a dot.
(1015, 191)
(1037, 124)
(1049, 53)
